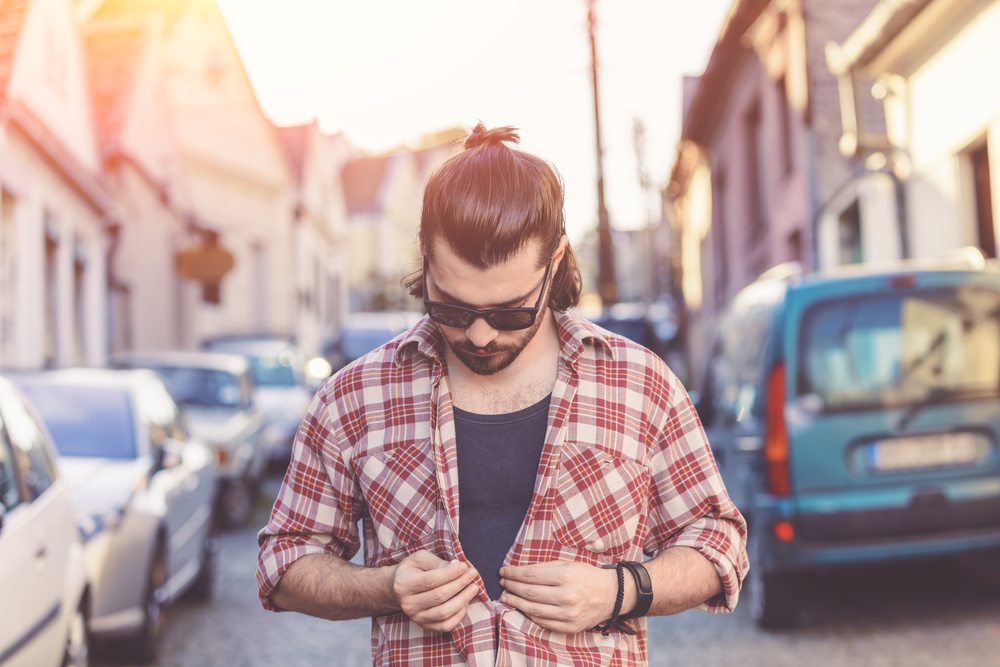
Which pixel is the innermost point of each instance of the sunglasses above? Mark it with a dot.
(502, 319)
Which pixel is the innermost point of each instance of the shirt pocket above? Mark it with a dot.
(599, 498)
(400, 489)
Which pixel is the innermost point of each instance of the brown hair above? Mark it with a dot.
(488, 201)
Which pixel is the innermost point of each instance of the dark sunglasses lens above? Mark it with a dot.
(512, 321)
(450, 317)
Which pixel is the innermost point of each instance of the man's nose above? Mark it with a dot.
(480, 333)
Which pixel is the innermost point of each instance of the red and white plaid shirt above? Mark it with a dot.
(625, 470)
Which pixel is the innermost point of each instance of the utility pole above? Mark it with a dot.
(606, 283)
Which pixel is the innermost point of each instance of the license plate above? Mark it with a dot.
(939, 451)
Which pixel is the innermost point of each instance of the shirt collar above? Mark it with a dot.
(575, 334)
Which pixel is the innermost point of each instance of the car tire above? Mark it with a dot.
(145, 648)
(772, 596)
(202, 587)
(77, 653)
(236, 503)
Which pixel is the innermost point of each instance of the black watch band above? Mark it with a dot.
(644, 590)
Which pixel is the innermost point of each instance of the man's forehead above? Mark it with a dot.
(496, 286)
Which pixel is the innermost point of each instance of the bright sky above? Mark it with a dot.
(387, 71)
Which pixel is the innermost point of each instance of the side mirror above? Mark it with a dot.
(3, 512)
(171, 454)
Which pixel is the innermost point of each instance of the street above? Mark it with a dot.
(943, 613)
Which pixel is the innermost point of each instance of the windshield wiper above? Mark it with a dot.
(935, 396)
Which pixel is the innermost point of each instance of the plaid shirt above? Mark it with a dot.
(625, 470)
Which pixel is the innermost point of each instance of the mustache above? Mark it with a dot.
(492, 348)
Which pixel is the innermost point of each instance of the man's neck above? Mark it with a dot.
(526, 381)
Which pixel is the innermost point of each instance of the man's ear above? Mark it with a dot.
(560, 252)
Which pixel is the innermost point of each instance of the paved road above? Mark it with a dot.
(945, 613)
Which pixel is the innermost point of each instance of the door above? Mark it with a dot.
(37, 534)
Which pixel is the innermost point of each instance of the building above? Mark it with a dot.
(930, 65)
(384, 195)
(319, 235)
(234, 178)
(758, 167)
(56, 209)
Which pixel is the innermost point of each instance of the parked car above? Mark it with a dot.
(216, 392)
(855, 417)
(363, 332)
(653, 326)
(44, 615)
(142, 493)
(282, 388)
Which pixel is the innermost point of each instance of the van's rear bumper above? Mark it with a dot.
(876, 535)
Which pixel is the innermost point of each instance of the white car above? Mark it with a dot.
(43, 618)
(217, 394)
(142, 493)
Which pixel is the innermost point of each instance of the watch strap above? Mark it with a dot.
(643, 588)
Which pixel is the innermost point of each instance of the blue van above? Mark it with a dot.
(855, 418)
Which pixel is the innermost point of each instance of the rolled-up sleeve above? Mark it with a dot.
(689, 504)
(318, 506)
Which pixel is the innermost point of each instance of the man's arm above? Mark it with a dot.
(572, 597)
(432, 592)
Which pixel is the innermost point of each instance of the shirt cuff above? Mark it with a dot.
(724, 545)
(277, 553)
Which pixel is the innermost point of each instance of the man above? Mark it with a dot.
(503, 457)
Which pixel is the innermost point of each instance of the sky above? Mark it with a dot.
(385, 72)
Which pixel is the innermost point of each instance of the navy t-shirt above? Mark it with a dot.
(498, 459)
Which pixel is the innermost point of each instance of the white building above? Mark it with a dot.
(55, 204)
(932, 64)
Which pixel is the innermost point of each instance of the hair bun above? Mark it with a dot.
(480, 136)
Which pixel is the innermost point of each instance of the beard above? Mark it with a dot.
(501, 357)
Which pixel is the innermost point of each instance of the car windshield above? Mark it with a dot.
(86, 421)
(273, 370)
(201, 386)
(355, 343)
(901, 349)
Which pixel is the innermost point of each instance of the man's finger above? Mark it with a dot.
(440, 594)
(545, 574)
(412, 578)
(438, 614)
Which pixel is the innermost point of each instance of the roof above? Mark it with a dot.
(294, 140)
(114, 56)
(362, 183)
(12, 13)
(229, 363)
(879, 28)
(721, 72)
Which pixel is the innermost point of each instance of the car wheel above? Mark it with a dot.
(77, 652)
(201, 587)
(235, 503)
(144, 648)
(773, 599)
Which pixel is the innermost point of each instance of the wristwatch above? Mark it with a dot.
(644, 590)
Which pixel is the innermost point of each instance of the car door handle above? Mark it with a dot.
(41, 553)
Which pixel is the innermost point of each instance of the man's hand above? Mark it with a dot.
(433, 592)
(563, 596)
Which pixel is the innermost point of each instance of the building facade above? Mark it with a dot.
(929, 65)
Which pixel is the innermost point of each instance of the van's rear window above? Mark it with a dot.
(899, 349)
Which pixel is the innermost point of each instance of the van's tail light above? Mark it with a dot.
(776, 475)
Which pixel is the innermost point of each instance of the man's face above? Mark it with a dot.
(514, 284)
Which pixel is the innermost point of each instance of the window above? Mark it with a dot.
(893, 349)
(51, 296)
(28, 443)
(86, 421)
(79, 305)
(850, 235)
(984, 200)
(10, 494)
(721, 262)
(752, 131)
(8, 278)
(786, 127)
